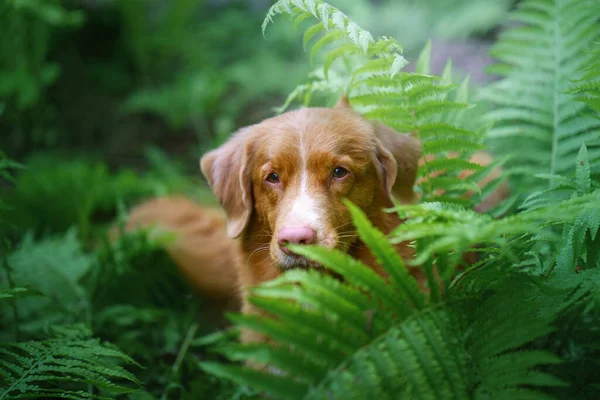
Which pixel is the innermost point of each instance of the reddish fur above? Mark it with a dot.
(382, 162)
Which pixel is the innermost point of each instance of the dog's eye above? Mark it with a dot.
(273, 177)
(339, 172)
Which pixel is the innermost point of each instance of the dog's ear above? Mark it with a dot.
(343, 102)
(226, 170)
(399, 155)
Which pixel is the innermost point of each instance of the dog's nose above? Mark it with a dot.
(296, 235)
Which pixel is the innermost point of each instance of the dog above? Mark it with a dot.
(283, 181)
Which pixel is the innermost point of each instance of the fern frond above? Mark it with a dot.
(388, 257)
(64, 366)
(283, 387)
(358, 275)
(588, 85)
(537, 117)
(53, 267)
(420, 356)
(324, 294)
(416, 358)
(454, 230)
(330, 18)
(328, 334)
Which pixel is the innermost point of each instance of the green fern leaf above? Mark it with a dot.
(335, 54)
(387, 256)
(34, 369)
(325, 40)
(310, 33)
(424, 60)
(324, 293)
(412, 357)
(356, 274)
(537, 118)
(294, 363)
(282, 387)
(299, 316)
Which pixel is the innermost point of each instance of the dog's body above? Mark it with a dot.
(282, 181)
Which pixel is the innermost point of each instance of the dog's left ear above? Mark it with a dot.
(343, 102)
(399, 155)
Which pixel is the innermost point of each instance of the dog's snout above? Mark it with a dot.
(296, 235)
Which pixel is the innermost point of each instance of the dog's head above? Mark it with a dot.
(289, 174)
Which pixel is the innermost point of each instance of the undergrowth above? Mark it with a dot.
(85, 317)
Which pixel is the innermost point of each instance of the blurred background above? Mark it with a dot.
(111, 79)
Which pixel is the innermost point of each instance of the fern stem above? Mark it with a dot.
(184, 347)
(424, 166)
(555, 95)
(20, 382)
(434, 288)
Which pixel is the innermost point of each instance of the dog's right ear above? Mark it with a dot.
(227, 172)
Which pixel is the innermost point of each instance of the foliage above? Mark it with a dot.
(64, 304)
(588, 86)
(414, 22)
(138, 70)
(26, 70)
(200, 89)
(500, 328)
(70, 358)
(538, 123)
(40, 202)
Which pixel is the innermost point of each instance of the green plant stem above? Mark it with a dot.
(434, 288)
(187, 341)
(555, 98)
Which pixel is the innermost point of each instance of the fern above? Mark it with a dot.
(588, 85)
(334, 334)
(330, 334)
(375, 84)
(66, 365)
(537, 120)
(54, 267)
(456, 229)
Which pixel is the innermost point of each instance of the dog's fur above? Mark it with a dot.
(224, 255)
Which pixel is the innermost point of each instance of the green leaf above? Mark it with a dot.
(282, 387)
(387, 256)
(424, 60)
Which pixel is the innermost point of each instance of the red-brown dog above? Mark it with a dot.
(282, 181)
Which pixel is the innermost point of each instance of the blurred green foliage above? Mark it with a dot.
(413, 22)
(111, 75)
